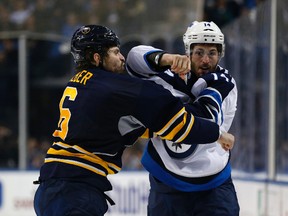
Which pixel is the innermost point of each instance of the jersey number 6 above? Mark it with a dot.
(65, 113)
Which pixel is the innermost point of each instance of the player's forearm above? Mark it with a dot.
(202, 132)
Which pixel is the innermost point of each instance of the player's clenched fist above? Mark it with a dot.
(226, 140)
(179, 63)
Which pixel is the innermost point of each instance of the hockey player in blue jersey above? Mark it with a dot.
(102, 111)
(190, 180)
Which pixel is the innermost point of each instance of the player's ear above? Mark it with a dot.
(97, 59)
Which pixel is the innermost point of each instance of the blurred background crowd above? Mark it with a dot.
(125, 16)
(49, 26)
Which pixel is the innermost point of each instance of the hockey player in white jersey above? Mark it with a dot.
(190, 179)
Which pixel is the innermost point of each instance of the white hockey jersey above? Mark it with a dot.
(184, 167)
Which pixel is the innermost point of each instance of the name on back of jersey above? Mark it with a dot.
(82, 77)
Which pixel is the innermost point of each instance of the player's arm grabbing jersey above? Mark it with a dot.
(186, 167)
(229, 103)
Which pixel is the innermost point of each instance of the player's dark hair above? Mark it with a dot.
(88, 63)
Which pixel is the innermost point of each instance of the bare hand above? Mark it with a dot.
(226, 140)
(180, 64)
